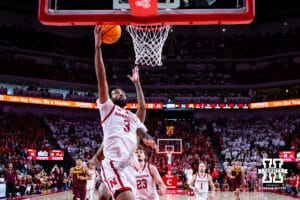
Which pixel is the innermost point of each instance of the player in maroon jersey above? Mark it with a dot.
(79, 176)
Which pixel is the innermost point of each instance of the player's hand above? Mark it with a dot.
(163, 189)
(135, 78)
(97, 35)
(196, 190)
(212, 196)
(149, 142)
(93, 161)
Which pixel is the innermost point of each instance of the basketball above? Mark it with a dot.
(111, 33)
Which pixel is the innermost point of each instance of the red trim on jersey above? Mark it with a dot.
(150, 170)
(110, 112)
(137, 169)
(116, 172)
(145, 166)
(105, 180)
(205, 175)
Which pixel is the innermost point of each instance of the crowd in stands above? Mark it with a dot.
(247, 140)
(194, 149)
(81, 137)
(34, 180)
(19, 133)
(251, 140)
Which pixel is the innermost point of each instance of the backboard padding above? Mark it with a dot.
(56, 17)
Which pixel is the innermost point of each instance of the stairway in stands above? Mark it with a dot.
(215, 144)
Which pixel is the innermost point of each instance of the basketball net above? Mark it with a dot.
(148, 42)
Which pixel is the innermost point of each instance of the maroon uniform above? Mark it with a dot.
(61, 177)
(79, 186)
(10, 179)
(237, 181)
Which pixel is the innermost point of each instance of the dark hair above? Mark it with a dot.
(79, 158)
(139, 147)
(111, 89)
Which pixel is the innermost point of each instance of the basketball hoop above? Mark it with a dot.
(148, 42)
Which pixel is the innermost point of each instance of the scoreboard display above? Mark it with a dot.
(33, 154)
(289, 156)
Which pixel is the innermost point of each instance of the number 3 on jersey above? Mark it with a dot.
(126, 125)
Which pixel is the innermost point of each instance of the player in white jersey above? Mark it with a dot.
(200, 182)
(120, 129)
(147, 176)
(90, 185)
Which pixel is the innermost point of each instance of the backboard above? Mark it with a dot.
(166, 145)
(171, 12)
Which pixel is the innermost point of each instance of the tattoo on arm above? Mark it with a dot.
(142, 134)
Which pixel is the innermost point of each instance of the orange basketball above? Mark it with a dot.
(111, 33)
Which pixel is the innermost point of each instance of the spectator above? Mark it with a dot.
(252, 178)
(10, 181)
(215, 174)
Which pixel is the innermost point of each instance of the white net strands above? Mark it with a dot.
(148, 42)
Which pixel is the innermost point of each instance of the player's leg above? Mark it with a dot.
(125, 195)
(237, 194)
(116, 180)
(83, 193)
(76, 194)
(103, 192)
(131, 181)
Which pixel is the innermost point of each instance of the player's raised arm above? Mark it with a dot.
(135, 78)
(100, 68)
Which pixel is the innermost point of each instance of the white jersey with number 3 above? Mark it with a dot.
(119, 127)
(201, 184)
(146, 187)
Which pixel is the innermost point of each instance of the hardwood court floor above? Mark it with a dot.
(219, 196)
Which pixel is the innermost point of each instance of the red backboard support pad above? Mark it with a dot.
(172, 17)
